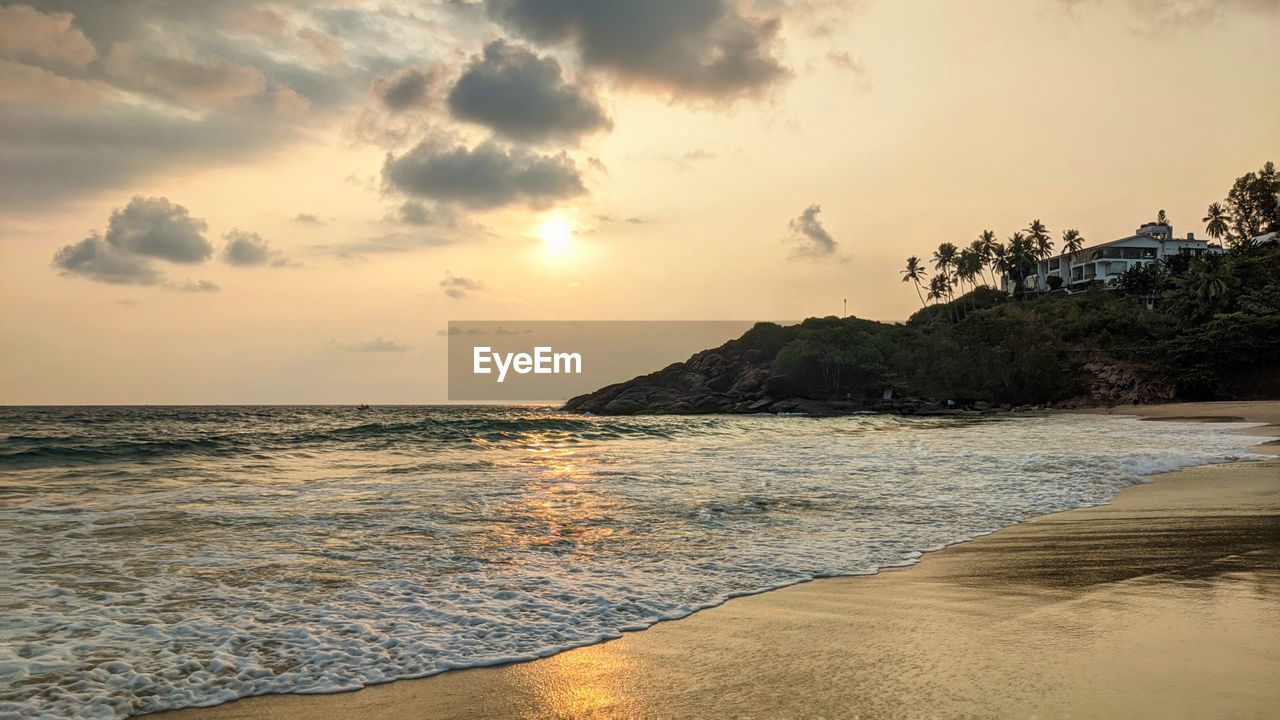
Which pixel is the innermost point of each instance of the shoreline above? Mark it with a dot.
(917, 639)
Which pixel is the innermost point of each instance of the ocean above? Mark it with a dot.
(164, 557)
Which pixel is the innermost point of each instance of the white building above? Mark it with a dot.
(1149, 244)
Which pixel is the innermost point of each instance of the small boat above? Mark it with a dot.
(362, 407)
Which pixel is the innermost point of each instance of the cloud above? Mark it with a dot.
(60, 155)
(95, 259)
(195, 286)
(686, 48)
(377, 345)
(485, 176)
(214, 83)
(811, 238)
(524, 97)
(247, 249)
(396, 242)
(144, 230)
(49, 41)
(155, 227)
(99, 94)
(414, 213)
(1176, 13)
(307, 219)
(458, 287)
(406, 89)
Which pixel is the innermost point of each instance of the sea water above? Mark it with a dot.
(164, 557)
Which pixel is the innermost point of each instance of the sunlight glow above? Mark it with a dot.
(557, 234)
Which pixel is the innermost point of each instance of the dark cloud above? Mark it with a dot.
(375, 345)
(50, 41)
(61, 155)
(524, 97)
(214, 83)
(157, 228)
(689, 48)
(247, 249)
(101, 94)
(95, 259)
(486, 176)
(307, 219)
(406, 89)
(458, 287)
(146, 229)
(413, 212)
(810, 237)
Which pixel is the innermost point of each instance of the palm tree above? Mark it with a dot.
(969, 267)
(1019, 260)
(979, 255)
(1216, 221)
(989, 243)
(1039, 235)
(939, 288)
(1071, 241)
(944, 257)
(914, 273)
(998, 251)
(1209, 282)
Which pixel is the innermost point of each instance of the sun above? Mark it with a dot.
(557, 234)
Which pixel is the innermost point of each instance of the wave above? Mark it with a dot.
(27, 451)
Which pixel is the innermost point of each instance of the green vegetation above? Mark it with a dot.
(1201, 328)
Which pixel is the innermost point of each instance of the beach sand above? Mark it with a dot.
(1162, 604)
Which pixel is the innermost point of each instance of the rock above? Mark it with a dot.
(622, 406)
(780, 386)
(751, 380)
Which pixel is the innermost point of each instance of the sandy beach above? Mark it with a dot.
(1163, 603)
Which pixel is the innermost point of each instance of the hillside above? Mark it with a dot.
(1214, 333)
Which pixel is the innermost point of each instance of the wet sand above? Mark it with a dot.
(1162, 604)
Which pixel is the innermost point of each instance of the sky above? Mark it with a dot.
(251, 202)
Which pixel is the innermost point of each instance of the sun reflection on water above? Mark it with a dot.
(599, 681)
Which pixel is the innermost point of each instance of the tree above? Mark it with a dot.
(1254, 205)
(939, 288)
(997, 257)
(944, 260)
(1142, 280)
(1216, 221)
(944, 257)
(1209, 283)
(988, 244)
(1042, 243)
(1019, 260)
(914, 273)
(1071, 241)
